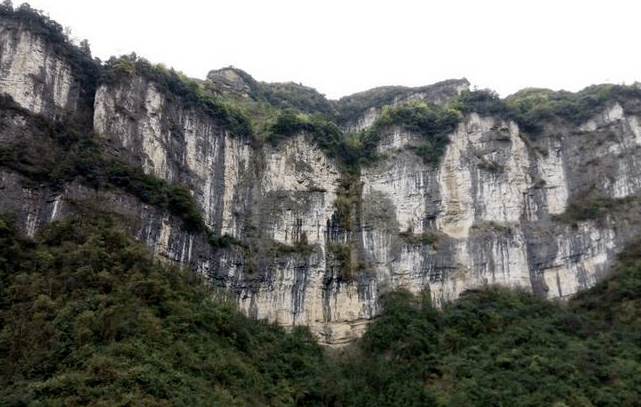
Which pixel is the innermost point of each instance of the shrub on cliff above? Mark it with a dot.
(294, 96)
(59, 152)
(531, 108)
(433, 123)
(325, 134)
(177, 88)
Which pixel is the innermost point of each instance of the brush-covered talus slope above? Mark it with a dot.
(307, 218)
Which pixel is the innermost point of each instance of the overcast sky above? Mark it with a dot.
(342, 47)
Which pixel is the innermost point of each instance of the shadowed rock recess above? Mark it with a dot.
(307, 209)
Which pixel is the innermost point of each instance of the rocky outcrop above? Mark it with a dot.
(37, 75)
(175, 143)
(313, 245)
(231, 80)
(486, 211)
(482, 216)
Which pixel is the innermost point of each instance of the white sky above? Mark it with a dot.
(343, 47)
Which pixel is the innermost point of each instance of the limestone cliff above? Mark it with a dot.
(40, 71)
(311, 241)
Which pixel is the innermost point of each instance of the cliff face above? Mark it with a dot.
(488, 207)
(38, 75)
(174, 143)
(314, 245)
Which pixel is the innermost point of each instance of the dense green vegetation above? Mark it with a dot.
(88, 317)
(279, 95)
(352, 108)
(494, 347)
(289, 122)
(295, 96)
(326, 135)
(430, 121)
(174, 198)
(530, 108)
(575, 108)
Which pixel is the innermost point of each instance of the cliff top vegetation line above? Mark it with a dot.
(273, 112)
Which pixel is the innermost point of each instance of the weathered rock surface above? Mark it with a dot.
(487, 214)
(231, 80)
(35, 74)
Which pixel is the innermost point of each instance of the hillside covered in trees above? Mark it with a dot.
(99, 308)
(89, 317)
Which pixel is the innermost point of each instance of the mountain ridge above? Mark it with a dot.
(166, 241)
(309, 213)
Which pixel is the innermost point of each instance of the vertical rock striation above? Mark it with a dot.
(39, 75)
(307, 250)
